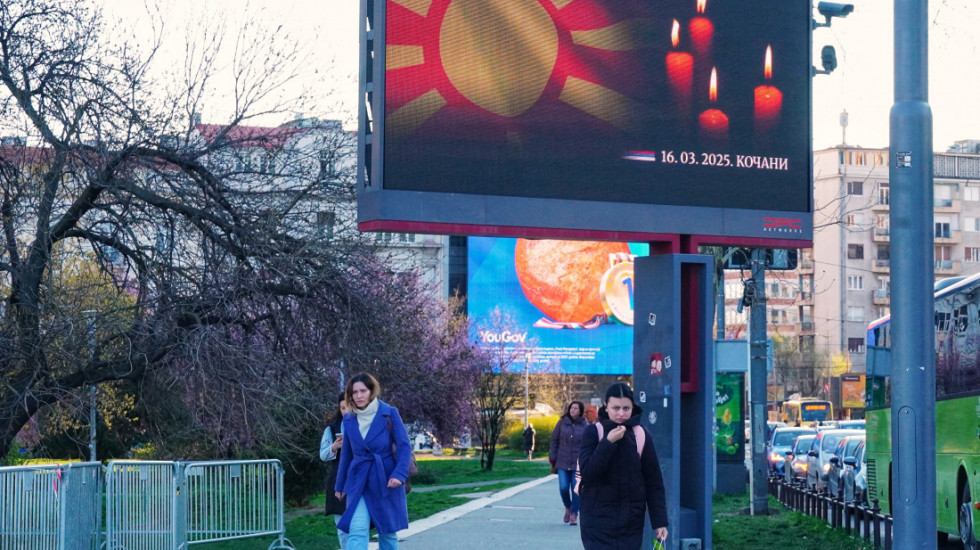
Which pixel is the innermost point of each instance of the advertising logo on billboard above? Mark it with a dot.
(571, 300)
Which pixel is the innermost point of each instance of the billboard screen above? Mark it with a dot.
(701, 104)
(571, 299)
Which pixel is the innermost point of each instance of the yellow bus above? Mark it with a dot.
(803, 411)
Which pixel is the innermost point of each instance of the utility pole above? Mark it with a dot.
(910, 172)
(759, 474)
(91, 389)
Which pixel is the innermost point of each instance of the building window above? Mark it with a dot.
(855, 187)
(325, 221)
(883, 252)
(855, 282)
(971, 224)
(942, 230)
(884, 193)
(855, 313)
(854, 220)
(882, 311)
(971, 194)
(855, 345)
(855, 251)
(972, 254)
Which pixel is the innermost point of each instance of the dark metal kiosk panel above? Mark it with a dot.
(673, 380)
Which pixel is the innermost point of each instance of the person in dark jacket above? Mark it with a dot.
(330, 443)
(374, 463)
(620, 482)
(529, 434)
(566, 440)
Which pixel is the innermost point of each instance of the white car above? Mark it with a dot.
(820, 451)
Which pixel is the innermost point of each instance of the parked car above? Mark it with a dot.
(855, 478)
(820, 451)
(780, 443)
(835, 472)
(851, 424)
(796, 458)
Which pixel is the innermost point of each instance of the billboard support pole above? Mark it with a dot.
(913, 407)
(759, 502)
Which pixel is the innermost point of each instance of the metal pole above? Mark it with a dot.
(527, 402)
(91, 389)
(759, 474)
(913, 407)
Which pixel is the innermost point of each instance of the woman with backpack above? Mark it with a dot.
(621, 479)
(566, 440)
(374, 465)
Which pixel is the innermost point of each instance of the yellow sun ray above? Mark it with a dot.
(398, 57)
(409, 116)
(600, 102)
(622, 36)
(561, 3)
(420, 7)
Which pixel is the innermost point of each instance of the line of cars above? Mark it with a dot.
(828, 456)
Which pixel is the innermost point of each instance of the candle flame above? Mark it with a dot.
(768, 62)
(675, 33)
(713, 86)
(701, 5)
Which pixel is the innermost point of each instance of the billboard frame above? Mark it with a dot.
(381, 209)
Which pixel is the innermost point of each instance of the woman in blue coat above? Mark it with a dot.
(373, 467)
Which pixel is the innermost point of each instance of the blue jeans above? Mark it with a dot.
(566, 482)
(341, 536)
(360, 531)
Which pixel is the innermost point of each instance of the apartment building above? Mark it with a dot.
(848, 268)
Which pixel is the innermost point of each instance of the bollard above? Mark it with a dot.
(876, 511)
(847, 517)
(888, 533)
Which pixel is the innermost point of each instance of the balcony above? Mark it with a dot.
(805, 265)
(946, 205)
(881, 266)
(880, 205)
(882, 297)
(881, 234)
(947, 267)
(948, 237)
(805, 327)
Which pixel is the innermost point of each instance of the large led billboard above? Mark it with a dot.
(640, 116)
(570, 302)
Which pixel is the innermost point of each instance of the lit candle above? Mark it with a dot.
(768, 100)
(680, 73)
(701, 32)
(713, 122)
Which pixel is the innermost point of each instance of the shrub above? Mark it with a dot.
(543, 426)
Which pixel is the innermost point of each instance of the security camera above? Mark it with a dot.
(833, 9)
(828, 59)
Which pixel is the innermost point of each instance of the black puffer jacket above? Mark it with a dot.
(618, 486)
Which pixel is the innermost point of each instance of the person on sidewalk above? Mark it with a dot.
(529, 435)
(374, 462)
(621, 477)
(566, 440)
(330, 444)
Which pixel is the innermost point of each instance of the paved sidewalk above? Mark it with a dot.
(525, 516)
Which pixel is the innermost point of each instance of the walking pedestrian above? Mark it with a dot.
(621, 479)
(591, 414)
(566, 441)
(529, 434)
(330, 444)
(373, 467)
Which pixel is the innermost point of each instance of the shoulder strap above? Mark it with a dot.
(639, 434)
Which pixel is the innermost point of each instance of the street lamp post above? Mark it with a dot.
(527, 401)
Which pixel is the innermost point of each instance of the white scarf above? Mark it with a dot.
(365, 416)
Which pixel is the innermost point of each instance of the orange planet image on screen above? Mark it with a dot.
(561, 278)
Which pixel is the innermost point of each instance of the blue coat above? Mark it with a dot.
(366, 465)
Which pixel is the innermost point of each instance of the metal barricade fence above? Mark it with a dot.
(48, 507)
(141, 504)
(233, 500)
(153, 505)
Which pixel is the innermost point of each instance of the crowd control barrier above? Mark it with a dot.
(152, 505)
(51, 507)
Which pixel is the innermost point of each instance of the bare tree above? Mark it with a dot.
(500, 386)
(223, 282)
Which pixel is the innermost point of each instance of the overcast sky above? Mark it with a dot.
(862, 83)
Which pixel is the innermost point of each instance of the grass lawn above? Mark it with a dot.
(782, 529)
(436, 470)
